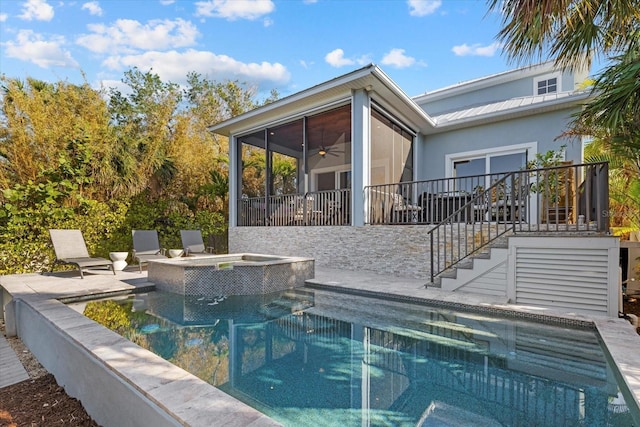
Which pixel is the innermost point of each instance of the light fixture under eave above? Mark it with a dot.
(322, 152)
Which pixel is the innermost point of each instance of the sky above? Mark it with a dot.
(286, 45)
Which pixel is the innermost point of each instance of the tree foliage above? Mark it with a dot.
(574, 32)
(107, 162)
(143, 122)
(569, 31)
(47, 125)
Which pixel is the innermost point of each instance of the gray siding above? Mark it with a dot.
(487, 95)
(513, 89)
(542, 128)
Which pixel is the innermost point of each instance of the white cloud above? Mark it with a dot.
(3, 17)
(397, 58)
(267, 22)
(476, 49)
(423, 7)
(174, 66)
(129, 36)
(234, 9)
(336, 58)
(93, 7)
(167, 2)
(39, 10)
(31, 47)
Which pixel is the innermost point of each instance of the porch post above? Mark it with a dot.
(234, 180)
(361, 158)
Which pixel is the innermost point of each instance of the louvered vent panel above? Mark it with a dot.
(562, 278)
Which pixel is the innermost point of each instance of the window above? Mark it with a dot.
(391, 150)
(491, 161)
(331, 179)
(546, 84)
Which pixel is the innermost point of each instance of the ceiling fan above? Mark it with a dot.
(323, 151)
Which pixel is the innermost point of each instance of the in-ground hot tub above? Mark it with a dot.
(233, 274)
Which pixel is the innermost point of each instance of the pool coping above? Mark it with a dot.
(176, 393)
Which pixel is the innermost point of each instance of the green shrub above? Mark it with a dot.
(28, 214)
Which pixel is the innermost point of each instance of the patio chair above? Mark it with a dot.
(71, 249)
(146, 247)
(403, 211)
(193, 244)
(292, 211)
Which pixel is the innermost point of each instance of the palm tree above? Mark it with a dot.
(573, 32)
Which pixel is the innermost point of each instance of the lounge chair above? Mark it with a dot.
(146, 247)
(193, 244)
(71, 249)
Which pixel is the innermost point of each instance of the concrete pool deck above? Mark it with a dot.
(174, 397)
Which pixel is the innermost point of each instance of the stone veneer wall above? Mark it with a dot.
(401, 251)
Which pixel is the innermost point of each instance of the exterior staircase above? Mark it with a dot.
(469, 248)
(487, 263)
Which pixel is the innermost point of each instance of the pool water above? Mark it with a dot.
(318, 358)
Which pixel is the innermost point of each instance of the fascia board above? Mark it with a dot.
(298, 101)
(370, 78)
(411, 109)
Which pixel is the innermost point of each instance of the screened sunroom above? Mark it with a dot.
(307, 159)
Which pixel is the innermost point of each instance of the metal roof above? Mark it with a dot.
(510, 108)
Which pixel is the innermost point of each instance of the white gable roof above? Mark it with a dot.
(486, 81)
(388, 93)
(370, 78)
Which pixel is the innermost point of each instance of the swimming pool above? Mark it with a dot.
(313, 357)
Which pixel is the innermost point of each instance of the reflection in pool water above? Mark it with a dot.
(310, 358)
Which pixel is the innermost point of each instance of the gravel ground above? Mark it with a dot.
(38, 401)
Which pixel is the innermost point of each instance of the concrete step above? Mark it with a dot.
(480, 266)
(469, 264)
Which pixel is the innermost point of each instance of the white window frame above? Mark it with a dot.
(531, 148)
(335, 169)
(538, 79)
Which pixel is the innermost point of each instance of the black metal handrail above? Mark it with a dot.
(451, 251)
(563, 198)
(424, 201)
(330, 207)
